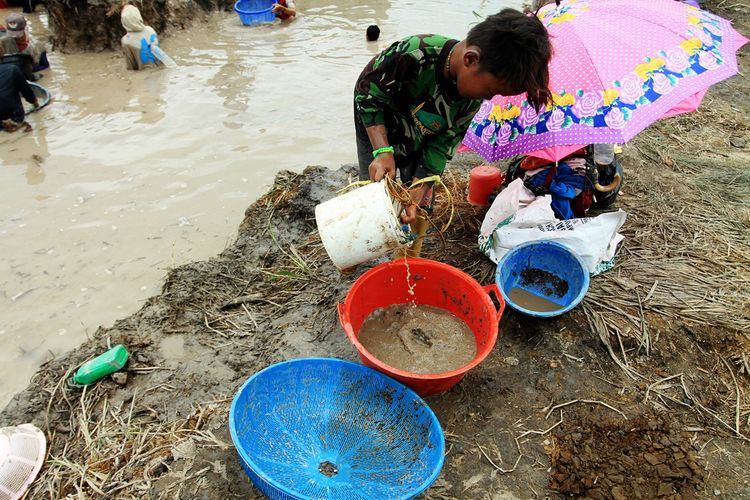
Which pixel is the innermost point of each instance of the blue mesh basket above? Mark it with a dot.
(327, 428)
(254, 12)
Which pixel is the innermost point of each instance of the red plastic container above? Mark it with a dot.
(482, 181)
(435, 284)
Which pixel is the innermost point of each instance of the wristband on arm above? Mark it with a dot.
(386, 149)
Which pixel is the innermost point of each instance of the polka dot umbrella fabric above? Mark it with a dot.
(618, 66)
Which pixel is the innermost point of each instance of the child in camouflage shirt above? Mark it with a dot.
(414, 101)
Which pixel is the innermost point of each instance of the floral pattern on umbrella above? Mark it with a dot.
(609, 110)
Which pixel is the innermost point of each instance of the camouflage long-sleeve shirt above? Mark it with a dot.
(405, 89)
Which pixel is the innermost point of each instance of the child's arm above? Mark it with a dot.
(384, 163)
(374, 92)
(287, 11)
(416, 195)
(381, 82)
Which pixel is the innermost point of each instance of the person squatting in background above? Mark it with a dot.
(12, 86)
(28, 54)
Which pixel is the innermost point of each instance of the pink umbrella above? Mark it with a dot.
(687, 106)
(618, 66)
(555, 153)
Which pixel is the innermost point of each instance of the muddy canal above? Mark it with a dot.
(127, 174)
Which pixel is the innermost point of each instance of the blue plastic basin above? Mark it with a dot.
(546, 269)
(327, 428)
(254, 12)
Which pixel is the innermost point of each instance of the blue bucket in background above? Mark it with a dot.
(255, 12)
(547, 270)
(327, 428)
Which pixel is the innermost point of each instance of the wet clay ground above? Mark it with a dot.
(641, 391)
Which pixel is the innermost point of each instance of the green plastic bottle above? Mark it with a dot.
(101, 366)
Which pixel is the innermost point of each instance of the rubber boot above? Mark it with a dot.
(418, 227)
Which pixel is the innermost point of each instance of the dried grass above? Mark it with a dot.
(103, 450)
(685, 263)
(686, 260)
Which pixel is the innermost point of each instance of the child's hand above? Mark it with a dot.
(409, 214)
(383, 164)
(277, 8)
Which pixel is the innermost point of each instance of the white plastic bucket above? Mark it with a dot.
(360, 225)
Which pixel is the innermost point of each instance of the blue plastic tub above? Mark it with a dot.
(254, 12)
(327, 428)
(547, 269)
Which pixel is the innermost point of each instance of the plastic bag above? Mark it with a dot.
(516, 217)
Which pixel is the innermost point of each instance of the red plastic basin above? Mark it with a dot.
(435, 284)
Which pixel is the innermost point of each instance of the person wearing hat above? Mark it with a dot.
(16, 28)
(15, 25)
(12, 86)
(140, 42)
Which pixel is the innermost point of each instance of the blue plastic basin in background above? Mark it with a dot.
(255, 12)
(327, 428)
(548, 257)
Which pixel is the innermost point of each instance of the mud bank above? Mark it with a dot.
(551, 396)
(643, 391)
(94, 25)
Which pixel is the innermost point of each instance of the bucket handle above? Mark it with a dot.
(494, 290)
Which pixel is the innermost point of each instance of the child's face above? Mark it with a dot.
(477, 84)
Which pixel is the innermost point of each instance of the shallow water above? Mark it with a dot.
(532, 302)
(127, 174)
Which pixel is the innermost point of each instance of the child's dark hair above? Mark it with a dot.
(515, 48)
(373, 32)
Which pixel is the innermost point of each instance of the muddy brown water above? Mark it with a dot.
(127, 174)
(418, 338)
(532, 302)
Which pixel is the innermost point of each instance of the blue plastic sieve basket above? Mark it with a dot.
(327, 428)
(255, 12)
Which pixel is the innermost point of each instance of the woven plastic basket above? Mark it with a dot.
(255, 12)
(326, 428)
(22, 450)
